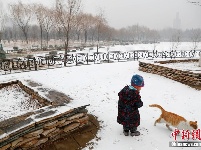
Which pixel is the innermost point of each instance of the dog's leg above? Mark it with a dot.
(168, 127)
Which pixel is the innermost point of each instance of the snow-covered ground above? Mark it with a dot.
(14, 101)
(185, 66)
(99, 84)
(162, 46)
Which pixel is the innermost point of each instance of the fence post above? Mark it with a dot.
(94, 58)
(134, 54)
(87, 58)
(76, 59)
(108, 55)
(35, 64)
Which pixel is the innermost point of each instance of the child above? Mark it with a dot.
(128, 104)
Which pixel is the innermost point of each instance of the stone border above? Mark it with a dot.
(31, 133)
(31, 92)
(76, 140)
(48, 123)
(185, 77)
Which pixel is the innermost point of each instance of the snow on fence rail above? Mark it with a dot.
(53, 61)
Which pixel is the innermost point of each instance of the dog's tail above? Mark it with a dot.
(158, 106)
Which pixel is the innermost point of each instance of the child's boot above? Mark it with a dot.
(126, 132)
(135, 133)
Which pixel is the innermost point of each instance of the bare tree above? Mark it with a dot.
(2, 21)
(21, 14)
(48, 22)
(196, 2)
(40, 15)
(133, 32)
(122, 34)
(196, 38)
(79, 25)
(33, 33)
(100, 22)
(154, 37)
(89, 23)
(65, 16)
(107, 33)
(137, 33)
(175, 39)
(58, 33)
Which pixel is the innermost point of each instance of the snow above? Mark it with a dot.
(99, 84)
(15, 99)
(185, 66)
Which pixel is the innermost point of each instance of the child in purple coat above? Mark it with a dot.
(128, 104)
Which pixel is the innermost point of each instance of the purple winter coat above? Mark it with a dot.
(128, 104)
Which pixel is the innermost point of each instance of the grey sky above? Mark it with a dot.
(155, 14)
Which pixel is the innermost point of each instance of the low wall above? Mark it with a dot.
(46, 124)
(41, 127)
(185, 77)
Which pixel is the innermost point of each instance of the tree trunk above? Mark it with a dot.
(85, 36)
(41, 37)
(26, 36)
(66, 47)
(65, 54)
(78, 36)
(0, 36)
(47, 38)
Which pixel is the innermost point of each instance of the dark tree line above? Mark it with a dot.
(66, 22)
